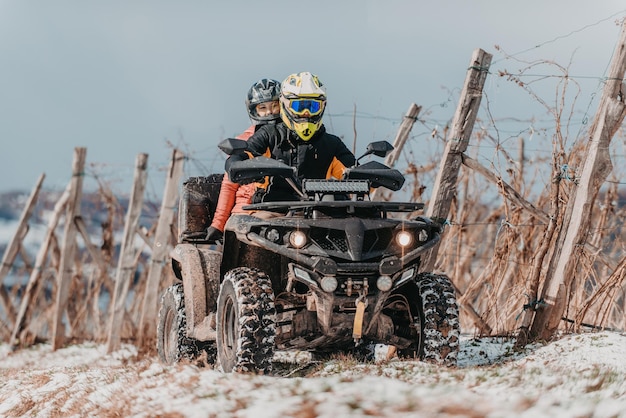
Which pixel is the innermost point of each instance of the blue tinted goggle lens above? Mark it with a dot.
(299, 106)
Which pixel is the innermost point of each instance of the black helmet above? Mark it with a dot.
(265, 90)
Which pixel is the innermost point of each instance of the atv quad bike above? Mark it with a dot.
(332, 272)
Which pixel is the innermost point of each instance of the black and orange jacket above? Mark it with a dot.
(232, 196)
(323, 156)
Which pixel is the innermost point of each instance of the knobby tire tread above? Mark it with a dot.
(255, 303)
(441, 331)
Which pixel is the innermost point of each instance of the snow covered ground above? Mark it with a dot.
(581, 375)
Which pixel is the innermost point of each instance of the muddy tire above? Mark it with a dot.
(441, 329)
(173, 345)
(246, 322)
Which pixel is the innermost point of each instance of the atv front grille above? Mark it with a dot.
(376, 240)
(373, 241)
(330, 240)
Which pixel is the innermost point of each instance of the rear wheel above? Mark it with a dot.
(441, 329)
(246, 322)
(172, 343)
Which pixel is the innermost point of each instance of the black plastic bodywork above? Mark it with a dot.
(352, 240)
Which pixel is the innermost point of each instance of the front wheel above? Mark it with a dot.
(441, 331)
(246, 322)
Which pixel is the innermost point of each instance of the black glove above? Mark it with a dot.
(213, 234)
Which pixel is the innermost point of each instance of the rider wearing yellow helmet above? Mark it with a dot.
(300, 141)
(302, 104)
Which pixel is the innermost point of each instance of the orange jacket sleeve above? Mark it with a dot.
(225, 203)
(335, 170)
(228, 192)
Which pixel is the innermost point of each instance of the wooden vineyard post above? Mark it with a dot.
(64, 275)
(40, 261)
(576, 223)
(462, 125)
(403, 134)
(162, 235)
(125, 266)
(14, 246)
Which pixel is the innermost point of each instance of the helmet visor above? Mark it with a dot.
(302, 106)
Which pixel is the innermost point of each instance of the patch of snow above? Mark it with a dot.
(577, 375)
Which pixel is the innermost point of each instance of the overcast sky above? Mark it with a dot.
(125, 77)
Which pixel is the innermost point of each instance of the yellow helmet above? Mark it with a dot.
(302, 103)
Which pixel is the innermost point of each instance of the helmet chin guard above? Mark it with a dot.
(305, 130)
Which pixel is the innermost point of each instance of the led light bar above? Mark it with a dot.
(311, 186)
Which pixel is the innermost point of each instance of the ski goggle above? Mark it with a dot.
(300, 106)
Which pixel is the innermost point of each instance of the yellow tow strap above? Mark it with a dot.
(357, 328)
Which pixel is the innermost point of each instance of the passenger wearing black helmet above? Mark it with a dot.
(263, 108)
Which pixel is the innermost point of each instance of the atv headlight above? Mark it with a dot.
(329, 284)
(297, 239)
(404, 238)
(384, 283)
(272, 235)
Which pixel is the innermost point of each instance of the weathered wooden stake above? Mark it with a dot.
(64, 276)
(160, 253)
(462, 126)
(14, 247)
(403, 134)
(40, 261)
(596, 168)
(126, 263)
